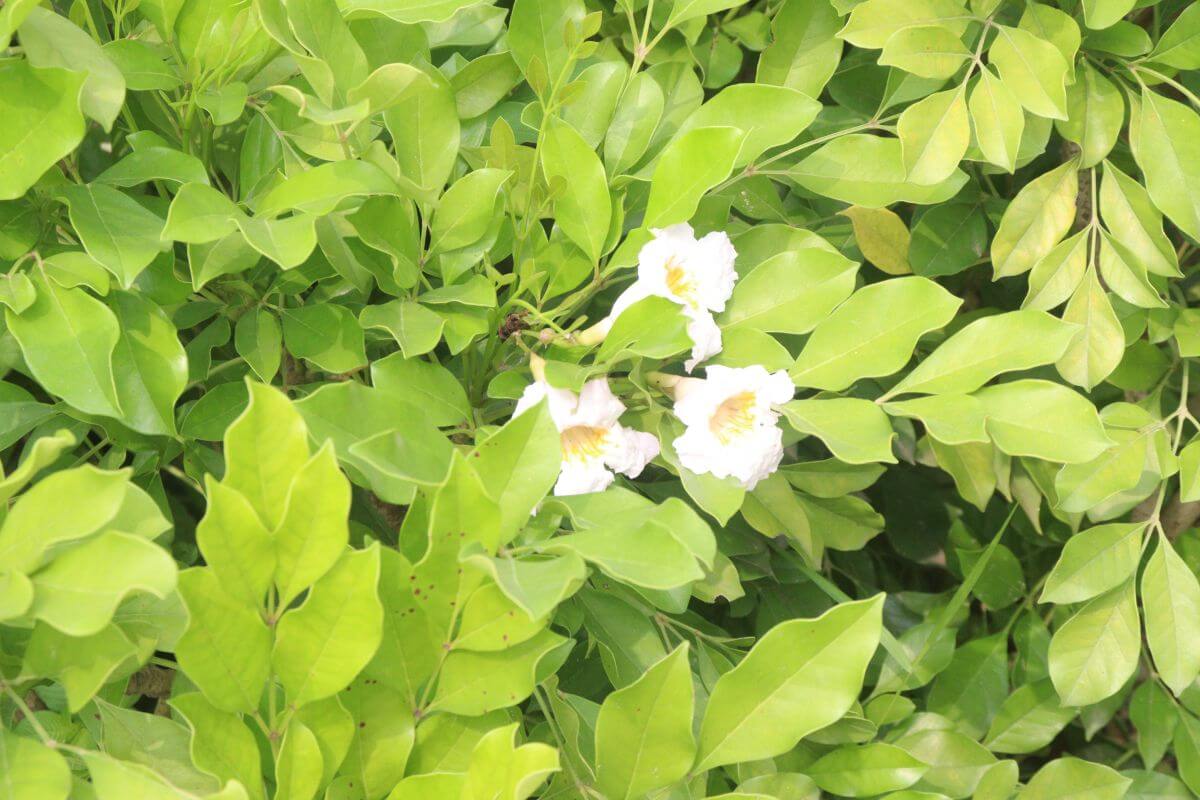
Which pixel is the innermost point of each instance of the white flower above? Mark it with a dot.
(731, 422)
(696, 273)
(593, 442)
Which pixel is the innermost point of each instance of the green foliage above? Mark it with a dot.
(599, 399)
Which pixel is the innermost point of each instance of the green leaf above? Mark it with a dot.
(319, 190)
(68, 337)
(1035, 220)
(934, 133)
(1152, 712)
(873, 23)
(518, 464)
(1096, 113)
(82, 665)
(116, 230)
(1044, 420)
(873, 333)
(947, 239)
(1100, 344)
(952, 419)
(49, 40)
(1096, 650)
(1028, 720)
(867, 770)
(971, 689)
(790, 292)
(17, 292)
(868, 171)
(883, 238)
(326, 334)
(474, 683)
(156, 741)
(414, 11)
(498, 766)
(142, 65)
(1125, 275)
(321, 645)
(489, 621)
(298, 767)
(774, 509)
(416, 453)
(645, 555)
(799, 677)
(80, 590)
(222, 745)
(1171, 608)
(684, 10)
(638, 112)
(1094, 561)
(1073, 777)
(997, 119)
(1189, 472)
(855, 431)
(425, 131)
(288, 242)
(383, 736)
(537, 586)
(259, 339)
(112, 779)
(149, 365)
(44, 452)
(31, 770)
(198, 214)
(429, 386)
(1180, 46)
(536, 31)
(1167, 134)
(466, 210)
(971, 464)
(736, 107)
(1081, 487)
(39, 522)
(583, 208)
(803, 52)
(688, 167)
(987, 347)
(483, 83)
(226, 649)
(1125, 206)
(654, 327)
(1186, 744)
(1105, 13)
(1033, 69)
(414, 327)
(929, 51)
(236, 546)
(313, 531)
(43, 122)
(1057, 275)
(265, 448)
(644, 731)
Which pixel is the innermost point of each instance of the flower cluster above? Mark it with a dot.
(730, 417)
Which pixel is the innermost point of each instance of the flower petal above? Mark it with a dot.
(582, 477)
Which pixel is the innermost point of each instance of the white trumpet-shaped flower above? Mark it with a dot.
(696, 273)
(594, 444)
(731, 421)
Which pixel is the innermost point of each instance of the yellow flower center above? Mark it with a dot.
(733, 418)
(679, 282)
(583, 442)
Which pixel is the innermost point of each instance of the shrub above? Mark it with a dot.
(599, 399)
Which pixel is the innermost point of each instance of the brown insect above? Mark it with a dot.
(512, 324)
